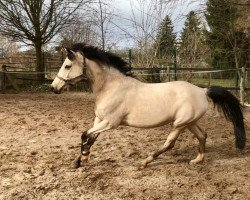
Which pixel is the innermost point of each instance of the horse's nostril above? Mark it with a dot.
(52, 88)
(55, 90)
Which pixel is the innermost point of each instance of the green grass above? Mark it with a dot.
(218, 82)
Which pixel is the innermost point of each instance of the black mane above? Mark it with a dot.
(103, 57)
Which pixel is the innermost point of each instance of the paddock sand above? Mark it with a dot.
(40, 137)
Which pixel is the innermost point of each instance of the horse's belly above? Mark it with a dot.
(149, 108)
(146, 120)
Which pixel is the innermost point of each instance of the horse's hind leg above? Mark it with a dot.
(169, 144)
(201, 136)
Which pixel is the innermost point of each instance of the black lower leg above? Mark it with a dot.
(77, 161)
(87, 141)
(163, 149)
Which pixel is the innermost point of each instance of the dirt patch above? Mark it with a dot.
(40, 137)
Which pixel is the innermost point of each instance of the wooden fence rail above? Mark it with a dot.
(14, 77)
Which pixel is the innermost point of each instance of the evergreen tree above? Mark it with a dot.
(165, 39)
(221, 16)
(243, 33)
(191, 48)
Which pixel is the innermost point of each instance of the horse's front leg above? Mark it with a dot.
(88, 138)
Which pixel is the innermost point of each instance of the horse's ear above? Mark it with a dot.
(63, 50)
(70, 54)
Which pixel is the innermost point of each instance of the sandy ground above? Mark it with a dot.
(40, 137)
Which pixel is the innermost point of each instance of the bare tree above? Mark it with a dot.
(94, 26)
(36, 22)
(80, 30)
(9, 47)
(146, 18)
(102, 16)
(144, 22)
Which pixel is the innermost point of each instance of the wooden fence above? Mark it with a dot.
(20, 70)
(200, 76)
(28, 62)
(17, 72)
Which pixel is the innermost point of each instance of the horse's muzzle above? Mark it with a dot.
(55, 90)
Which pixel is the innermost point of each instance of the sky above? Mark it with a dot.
(176, 11)
(122, 31)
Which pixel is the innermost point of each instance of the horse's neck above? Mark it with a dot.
(102, 77)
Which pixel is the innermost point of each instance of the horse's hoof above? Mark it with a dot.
(141, 167)
(77, 163)
(191, 162)
(195, 162)
(85, 153)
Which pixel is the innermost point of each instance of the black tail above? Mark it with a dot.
(231, 108)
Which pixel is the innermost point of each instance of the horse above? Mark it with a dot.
(121, 99)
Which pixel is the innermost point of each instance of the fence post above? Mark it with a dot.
(209, 81)
(242, 85)
(4, 78)
(62, 58)
(168, 73)
(43, 59)
(236, 81)
(10, 78)
(130, 57)
(175, 64)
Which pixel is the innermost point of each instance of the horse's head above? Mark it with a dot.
(70, 72)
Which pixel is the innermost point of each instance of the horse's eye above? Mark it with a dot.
(67, 66)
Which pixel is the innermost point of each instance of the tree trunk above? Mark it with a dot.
(40, 68)
(102, 25)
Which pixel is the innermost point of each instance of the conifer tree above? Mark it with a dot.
(192, 46)
(165, 39)
(221, 16)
